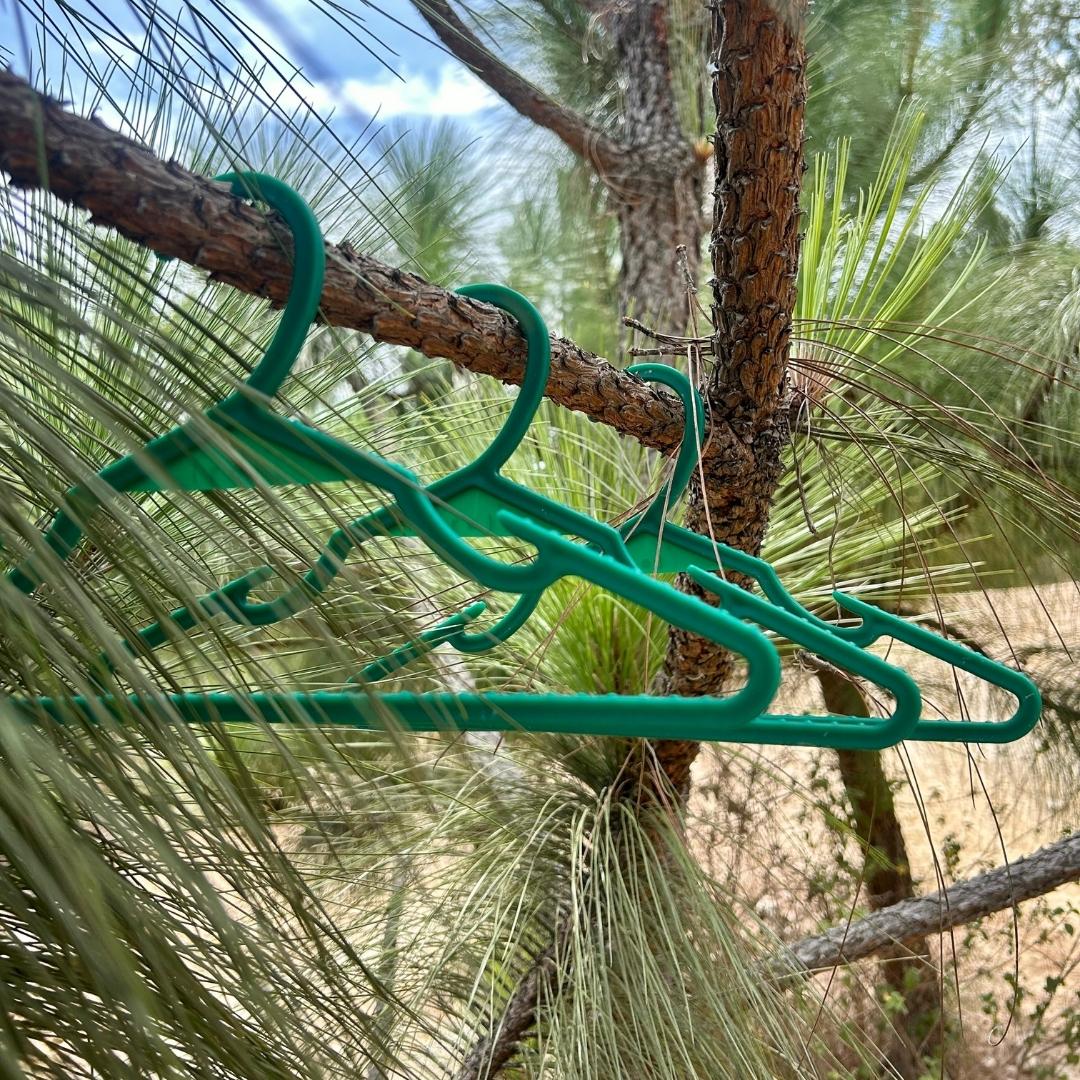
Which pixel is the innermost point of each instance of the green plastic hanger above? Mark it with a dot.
(271, 450)
(740, 717)
(658, 545)
(479, 490)
(478, 493)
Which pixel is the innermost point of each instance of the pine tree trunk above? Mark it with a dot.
(759, 90)
(658, 187)
(653, 222)
(908, 970)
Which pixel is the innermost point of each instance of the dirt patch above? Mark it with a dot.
(773, 823)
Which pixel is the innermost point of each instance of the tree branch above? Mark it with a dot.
(491, 1052)
(177, 213)
(575, 132)
(1006, 886)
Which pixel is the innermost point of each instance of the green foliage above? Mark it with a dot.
(949, 60)
(890, 356)
(431, 175)
(258, 903)
(559, 248)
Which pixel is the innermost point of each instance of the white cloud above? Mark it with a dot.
(298, 91)
(454, 92)
(451, 91)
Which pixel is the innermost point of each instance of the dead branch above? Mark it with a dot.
(996, 890)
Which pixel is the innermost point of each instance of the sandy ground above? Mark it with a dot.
(760, 824)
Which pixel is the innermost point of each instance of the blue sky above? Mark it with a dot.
(411, 73)
(408, 75)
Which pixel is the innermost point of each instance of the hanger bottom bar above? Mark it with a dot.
(573, 714)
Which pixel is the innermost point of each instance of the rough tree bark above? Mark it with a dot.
(177, 213)
(759, 89)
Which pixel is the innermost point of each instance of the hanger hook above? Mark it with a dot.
(537, 367)
(309, 269)
(693, 438)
